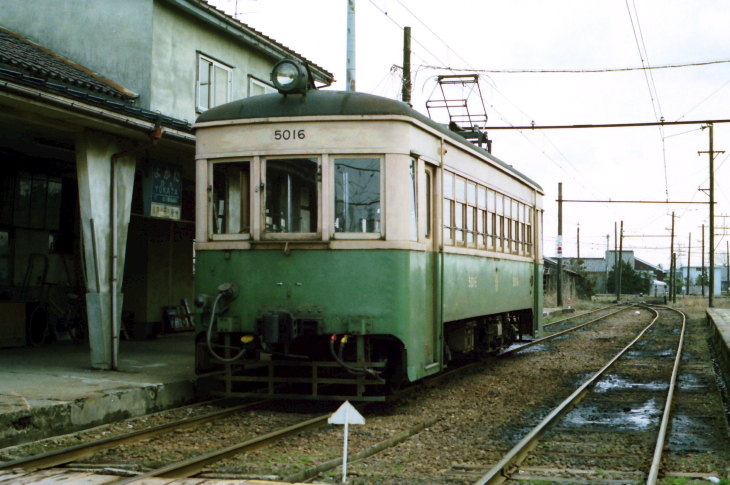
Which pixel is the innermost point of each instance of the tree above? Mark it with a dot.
(702, 279)
(584, 286)
(632, 282)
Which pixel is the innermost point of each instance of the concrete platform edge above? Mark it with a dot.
(719, 321)
(57, 418)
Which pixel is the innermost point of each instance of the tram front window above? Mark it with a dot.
(291, 195)
(357, 195)
(231, 201)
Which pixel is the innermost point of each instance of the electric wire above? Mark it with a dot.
(509, 101)
(708, 97)
(578, 71)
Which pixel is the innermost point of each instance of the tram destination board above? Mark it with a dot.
(163, 190)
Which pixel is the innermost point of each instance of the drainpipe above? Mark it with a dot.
(155, 136)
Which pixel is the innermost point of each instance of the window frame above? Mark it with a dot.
(332, 203)
(214, 63)
(244, 236)
(268, 88)
(289, 236)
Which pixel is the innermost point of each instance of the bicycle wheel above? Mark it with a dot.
(38, 325)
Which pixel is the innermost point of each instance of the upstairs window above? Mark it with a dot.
(357, 195)
(256, 87)
(214, 83)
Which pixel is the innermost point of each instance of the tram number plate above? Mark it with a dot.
(289, 134)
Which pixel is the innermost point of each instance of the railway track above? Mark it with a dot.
(614, 426)
(195, 465)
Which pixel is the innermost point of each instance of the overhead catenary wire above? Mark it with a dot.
(580, 71)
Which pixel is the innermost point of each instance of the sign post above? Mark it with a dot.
(346, 414)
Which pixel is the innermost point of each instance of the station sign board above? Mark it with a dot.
(163, 190)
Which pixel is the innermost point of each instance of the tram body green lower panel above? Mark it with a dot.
(393, 292)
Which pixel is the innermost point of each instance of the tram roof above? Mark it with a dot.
(334, 103)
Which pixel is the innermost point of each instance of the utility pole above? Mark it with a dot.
(560, 244)
(671, 262)
(579, 240)
(350, 82)
(407, 65)
(727, 263)
(608, 249)
(674, 265)
(689, 259)
(702, 271)
(620, 260)
(615, 255)
(712, 212)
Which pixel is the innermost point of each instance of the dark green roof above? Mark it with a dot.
(332, 103)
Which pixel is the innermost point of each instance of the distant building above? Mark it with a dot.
(721, 279)
(598, 269)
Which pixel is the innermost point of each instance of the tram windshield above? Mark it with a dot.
(231, 200)
(291, 195)
(357, 195)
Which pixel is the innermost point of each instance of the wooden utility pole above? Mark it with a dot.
(674, 265)
(615, 255)
(579, 240)
(727, 263)
(407, 65)
(560, 244)
(702, 272)
(671, 263)
(608, 250)
(620, 259)
(689, 261)
(712, 152)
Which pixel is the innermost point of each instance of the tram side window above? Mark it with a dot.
(291, 195)
(448, 208)
(460, 210)
(357, 195)
(481, 216)
(231, 198)
(413, 197)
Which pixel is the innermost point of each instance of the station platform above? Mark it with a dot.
(52, 390)
(719, 320)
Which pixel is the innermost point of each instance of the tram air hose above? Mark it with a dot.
(350, 369)
(210, 332)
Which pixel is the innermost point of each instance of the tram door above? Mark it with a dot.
(432, 281)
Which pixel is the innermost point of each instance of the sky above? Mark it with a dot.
(644, 163)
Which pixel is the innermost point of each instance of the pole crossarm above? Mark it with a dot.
(634, 201)
(605, 125)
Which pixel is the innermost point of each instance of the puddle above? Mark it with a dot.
(692, 382)
(614, 382)
(694, 433)
(636, 418)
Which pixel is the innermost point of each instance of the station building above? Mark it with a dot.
(97, 153)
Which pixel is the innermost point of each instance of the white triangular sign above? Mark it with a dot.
(346, 414)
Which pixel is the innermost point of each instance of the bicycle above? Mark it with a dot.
(50, 319)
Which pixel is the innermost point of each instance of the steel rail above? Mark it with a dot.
(562, 332)
(499, 473)
(581, 314)
(656, 461)
(83, 450)
(192, 466)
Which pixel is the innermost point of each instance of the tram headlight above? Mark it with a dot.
(290, 76)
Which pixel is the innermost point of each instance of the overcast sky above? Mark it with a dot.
(594, 164)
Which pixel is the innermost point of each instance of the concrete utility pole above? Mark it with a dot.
(407, 65)
(689, 261)
(620, 260)
(350, 46)
(560, 244)
(671, 263)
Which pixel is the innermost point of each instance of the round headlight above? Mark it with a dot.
(290, 76)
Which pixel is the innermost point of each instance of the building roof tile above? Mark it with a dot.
(35, 62)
